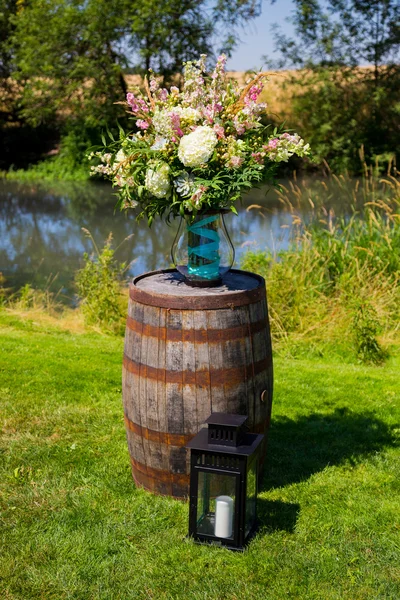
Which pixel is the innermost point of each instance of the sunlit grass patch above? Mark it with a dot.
(73, 525)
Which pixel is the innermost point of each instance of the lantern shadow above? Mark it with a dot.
(274, 515)
(299, 448)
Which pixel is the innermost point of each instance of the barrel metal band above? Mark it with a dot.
(197, 336)
(161, 437)
(159, 474)
(210, 301)
(225, 377)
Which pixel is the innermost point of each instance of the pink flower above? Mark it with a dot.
(258, 157)
(153, 84)
(137, 104)
(142, 124)
(219, 130)
(272, 144)
(219, 67)
(143, 105)
(240, 128)
(131, 100)
(235, 162)
(253, 93)
(176, 123)
(163, 94)
(197, 195)
(208, 113)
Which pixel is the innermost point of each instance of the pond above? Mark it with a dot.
(42, 239)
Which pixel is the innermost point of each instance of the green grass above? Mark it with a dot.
(75, 527)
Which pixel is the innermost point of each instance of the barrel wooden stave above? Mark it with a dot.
(179, 367)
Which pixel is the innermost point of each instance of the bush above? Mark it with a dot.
(99, 288)
(366, 327)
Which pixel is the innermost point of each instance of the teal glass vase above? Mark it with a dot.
(202, 250)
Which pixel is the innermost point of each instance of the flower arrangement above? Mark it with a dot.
(197, 148)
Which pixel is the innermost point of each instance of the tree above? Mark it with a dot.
(67, 58)
(70, 55)
(348, 92)
(7, 9)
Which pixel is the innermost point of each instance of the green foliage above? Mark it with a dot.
(338, 103)
(69, 164)
(340, 109)
(3, 290)
(62, 63)
(338, 285)
(366, 327)
(72, 69)
(69, 68)
(75, 526)
(99, 288)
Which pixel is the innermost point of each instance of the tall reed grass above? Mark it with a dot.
(337, 286)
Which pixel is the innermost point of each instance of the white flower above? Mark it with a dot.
(120, 157)
(184, 184)
(119, 168)
(162, 123)
(159, 143)
(189, 114)
(157, 180)
(197, 147)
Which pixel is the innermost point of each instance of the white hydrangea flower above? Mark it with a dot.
(162, 123)
(197, 147)
(157, 180)
(192, 115)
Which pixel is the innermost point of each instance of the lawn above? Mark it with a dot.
(73, 525)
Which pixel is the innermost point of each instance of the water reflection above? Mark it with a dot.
(41, 231)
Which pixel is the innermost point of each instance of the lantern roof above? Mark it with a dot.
(248, 445)
(226, 419)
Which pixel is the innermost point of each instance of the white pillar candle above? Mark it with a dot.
(223, 516)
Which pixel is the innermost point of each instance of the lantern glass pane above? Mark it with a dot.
(251, 497)
(216, 504)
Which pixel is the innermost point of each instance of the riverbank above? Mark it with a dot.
(75, 526)
(328, 249)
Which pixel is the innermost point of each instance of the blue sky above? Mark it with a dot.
(256, 37)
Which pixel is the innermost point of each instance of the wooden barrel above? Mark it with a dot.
(190, 352)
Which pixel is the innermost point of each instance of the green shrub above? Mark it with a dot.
(366, 327)
(99, 288)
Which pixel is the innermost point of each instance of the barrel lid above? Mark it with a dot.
(167, 289)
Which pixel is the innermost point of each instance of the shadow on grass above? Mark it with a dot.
(275, 515)
(299, 448)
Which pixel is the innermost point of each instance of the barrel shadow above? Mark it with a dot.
(299, 448)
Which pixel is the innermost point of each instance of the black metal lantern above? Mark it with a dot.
(223, 482)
